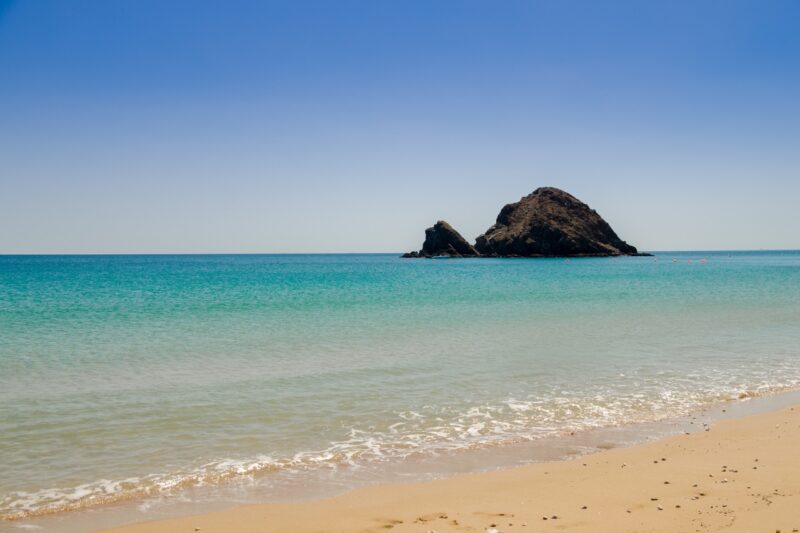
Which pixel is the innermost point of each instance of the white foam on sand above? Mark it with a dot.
(414, 433)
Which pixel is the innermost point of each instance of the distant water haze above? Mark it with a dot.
(138, 376)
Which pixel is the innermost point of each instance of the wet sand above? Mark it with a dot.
(739, 475)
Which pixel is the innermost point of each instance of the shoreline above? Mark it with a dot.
(554, 450)
(741, 473)
(496, 368)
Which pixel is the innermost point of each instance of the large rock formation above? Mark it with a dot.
(442, 240)
(550, 222)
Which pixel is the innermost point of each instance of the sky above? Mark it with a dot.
(143, 126)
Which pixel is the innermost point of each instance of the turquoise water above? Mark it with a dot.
(142, 376)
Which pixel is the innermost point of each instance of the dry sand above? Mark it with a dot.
(742, 475)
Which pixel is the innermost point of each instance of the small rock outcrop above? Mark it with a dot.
(442, 240)
(550, 223)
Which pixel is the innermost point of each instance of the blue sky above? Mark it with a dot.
(339, 126)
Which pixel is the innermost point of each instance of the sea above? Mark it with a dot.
(135, 386)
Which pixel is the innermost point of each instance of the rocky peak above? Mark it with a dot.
(550, 222)
(442, 240)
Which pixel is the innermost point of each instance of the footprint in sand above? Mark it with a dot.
(430, 517)
(389, 523)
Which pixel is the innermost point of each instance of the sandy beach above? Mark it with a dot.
(739, 475)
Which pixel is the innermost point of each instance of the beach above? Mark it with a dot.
(399, 266)
(740, 475)
(138, 388)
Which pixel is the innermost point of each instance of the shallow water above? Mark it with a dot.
(147, 376)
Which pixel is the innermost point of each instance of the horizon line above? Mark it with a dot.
(111, 254)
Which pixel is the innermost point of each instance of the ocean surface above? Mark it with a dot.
(144, 378)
